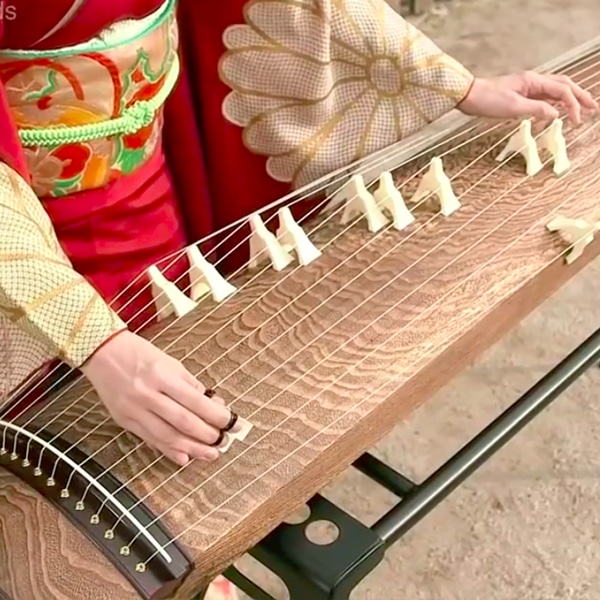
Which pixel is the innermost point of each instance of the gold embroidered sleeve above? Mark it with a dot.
(40, 292)
(318, 84)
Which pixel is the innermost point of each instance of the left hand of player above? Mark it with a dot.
(527, 94)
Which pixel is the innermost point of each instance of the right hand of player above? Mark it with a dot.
(155, 397)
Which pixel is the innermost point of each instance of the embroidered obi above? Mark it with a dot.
(91, 113)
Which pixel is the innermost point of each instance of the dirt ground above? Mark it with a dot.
(527, 526)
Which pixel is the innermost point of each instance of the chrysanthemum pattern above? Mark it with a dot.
(317, 84)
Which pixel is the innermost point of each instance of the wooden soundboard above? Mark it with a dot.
(445, 291)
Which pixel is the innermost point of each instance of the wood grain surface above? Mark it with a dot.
(324, 360)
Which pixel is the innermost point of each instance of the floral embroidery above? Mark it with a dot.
(86, 87)
(317, 84)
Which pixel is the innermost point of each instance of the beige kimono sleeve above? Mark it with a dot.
(47, 310)
(318, 84)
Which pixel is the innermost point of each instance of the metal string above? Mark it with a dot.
(139, 445)
(370, 353)
(180, 254)
(376, 158)
(395, 278)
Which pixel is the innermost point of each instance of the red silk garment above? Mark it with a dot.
(208, 180)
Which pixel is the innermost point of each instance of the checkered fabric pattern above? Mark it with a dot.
(318, 84)
(47, 310)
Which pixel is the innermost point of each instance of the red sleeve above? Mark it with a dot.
(11, 151)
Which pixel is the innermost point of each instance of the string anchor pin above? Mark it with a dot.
(50, 482)
(95, 519)
(109, 534)
(125, 551)
(140, 568)
(37, 471)
(14, 456)
(64, 493)
(3, 451)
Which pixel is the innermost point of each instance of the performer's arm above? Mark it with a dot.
(318, 84)
(39, 290)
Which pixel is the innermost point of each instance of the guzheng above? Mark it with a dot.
(344, 323)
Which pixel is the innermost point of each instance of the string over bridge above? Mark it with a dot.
(522, 142)
(265, 246)
(577, 232)
(206, 279)
(553, 140)
(389, 198)
(359, 201)
(293, 237)
(436, 182)
(243, 428)
(168, 298)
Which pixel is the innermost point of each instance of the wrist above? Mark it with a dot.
(97, 353)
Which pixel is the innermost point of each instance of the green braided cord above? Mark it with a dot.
(136, 117)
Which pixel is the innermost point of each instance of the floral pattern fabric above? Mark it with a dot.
(87, 85)
(318, 84)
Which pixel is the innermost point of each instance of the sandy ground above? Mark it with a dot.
(527, 526)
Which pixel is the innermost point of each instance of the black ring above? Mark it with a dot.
(232, 421)
(219, 439)
(209, 393)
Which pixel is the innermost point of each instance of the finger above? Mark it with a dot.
(584, 97)
(189, 393)
(546, 88)
(183, 420)
(178, 447)
(178, 457)
(233, 424)
(537, 109)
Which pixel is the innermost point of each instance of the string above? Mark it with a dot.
(324, 181)
(306, 316)
(185, 333)
(206, 316)
(318, 185)
(444, 142)
(196, 324)
(372, 239)
(179, 254)
(385, 384)
(241, 223)
(522, 207)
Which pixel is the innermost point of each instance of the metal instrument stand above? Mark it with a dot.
(313, 572)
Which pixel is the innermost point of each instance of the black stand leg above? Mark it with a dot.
(331, 572)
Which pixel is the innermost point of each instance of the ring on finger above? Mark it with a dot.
(232, 421)
(219, 440)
